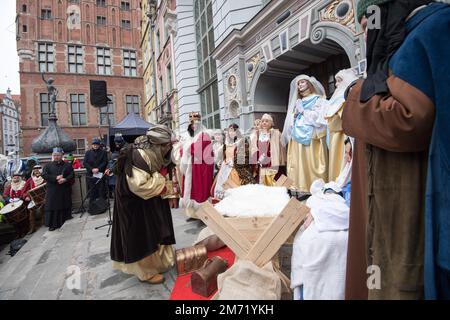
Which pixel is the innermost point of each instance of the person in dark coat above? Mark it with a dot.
(142, 230)
(58, 199)
(95, 162)
(119, 144)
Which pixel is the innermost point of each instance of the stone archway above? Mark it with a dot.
(271, 85)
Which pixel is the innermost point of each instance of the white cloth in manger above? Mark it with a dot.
(253, 201)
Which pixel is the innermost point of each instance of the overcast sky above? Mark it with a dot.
(9, 61)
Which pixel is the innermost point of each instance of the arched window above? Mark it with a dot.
(88, 13)
(114, 38)
(60, 9)
(24, 8)
(60, 31)
(88, 33)
(113, 16)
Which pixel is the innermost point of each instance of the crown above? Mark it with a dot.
(194, 116)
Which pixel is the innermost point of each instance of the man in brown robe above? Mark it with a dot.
(392, 122)
(142, 231)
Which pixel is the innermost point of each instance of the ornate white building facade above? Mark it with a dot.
(259, 47)
(10, 124)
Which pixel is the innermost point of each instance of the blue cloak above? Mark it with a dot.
(424, 62)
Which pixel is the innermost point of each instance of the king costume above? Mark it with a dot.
(142, 231)
(196, 166)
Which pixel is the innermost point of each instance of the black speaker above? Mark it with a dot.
(97, 206)
(99, 93)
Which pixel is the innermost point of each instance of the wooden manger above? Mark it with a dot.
(257, 239)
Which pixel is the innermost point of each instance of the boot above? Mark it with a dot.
(32, 224)
(42, 211)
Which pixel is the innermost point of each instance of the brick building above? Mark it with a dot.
(74, 41)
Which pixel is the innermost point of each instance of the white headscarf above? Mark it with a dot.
(336, 101)
(346, 172)
(293, 97)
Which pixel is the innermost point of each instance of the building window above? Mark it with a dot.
(44, 102)
(284, 41)
(24, 28)
(104, 61)
(107, 113)
(46, 57)
(132, 103)
(113, 16)
(60, 31)
(160, 90)
(149, 88)
(126, 24)
(101, 21)
(46, 14)
(125, 5)
(60, 9)
(78, 109)
(207, 70)
(101, 3)
(209, 101)
(24, 8)
(158, 43)
(169, 78)
(129, 63)
(153, 82)
(88, 33)
(81, 146)
(75, 54)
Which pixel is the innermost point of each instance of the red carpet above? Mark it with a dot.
(182, 289)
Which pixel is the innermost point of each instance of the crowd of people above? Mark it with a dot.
(369, 158)
(58, 178)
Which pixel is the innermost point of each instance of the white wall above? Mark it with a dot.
(229, 15)
(186, 62)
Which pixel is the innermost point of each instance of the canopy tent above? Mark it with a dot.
(131, 125)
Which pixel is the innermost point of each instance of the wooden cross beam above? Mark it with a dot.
(284, 181)
(270, 239)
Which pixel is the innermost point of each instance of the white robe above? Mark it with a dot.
(319, 255)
